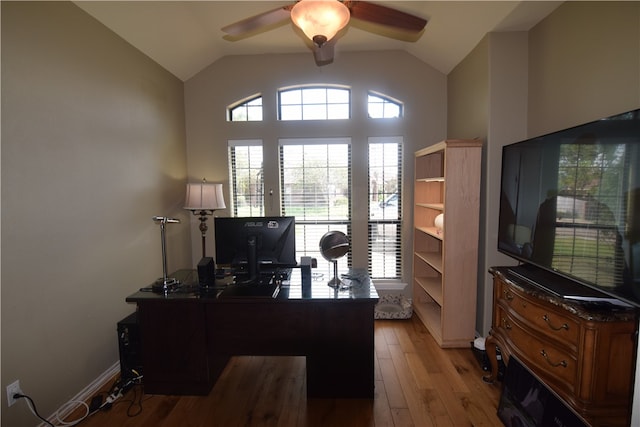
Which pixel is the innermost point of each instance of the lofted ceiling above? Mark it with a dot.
(184, 37)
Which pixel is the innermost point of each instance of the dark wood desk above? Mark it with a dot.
(188, 337)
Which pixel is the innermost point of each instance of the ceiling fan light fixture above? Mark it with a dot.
(320, 20)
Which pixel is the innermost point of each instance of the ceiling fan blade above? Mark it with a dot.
(258, 21)
(324, 54)
(383, 15)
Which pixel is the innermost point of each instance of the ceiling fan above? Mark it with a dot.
(320, 20)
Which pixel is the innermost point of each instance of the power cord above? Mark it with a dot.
(118, 389)
(135, 401)
(73, 423)
(32, 407)
(34, 411)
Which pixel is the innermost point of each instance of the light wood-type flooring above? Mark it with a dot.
(417, 384)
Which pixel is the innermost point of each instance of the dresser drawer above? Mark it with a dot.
(547, 319)
(552, 362)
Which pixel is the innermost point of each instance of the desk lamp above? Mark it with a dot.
(165, 283)
(203, 199)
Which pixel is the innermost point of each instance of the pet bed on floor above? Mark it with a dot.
(393, 306)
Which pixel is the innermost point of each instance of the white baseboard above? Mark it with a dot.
(85, 394)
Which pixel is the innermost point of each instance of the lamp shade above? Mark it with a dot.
(204, 196)
(320, 20)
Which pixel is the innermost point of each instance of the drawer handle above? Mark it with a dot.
(562, 363)
(508, 295)
(506, 324)
(563, 326)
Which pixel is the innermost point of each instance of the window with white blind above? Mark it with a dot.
(385, 213)
(316, 189)
(247, 178)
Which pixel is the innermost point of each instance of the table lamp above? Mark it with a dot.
(203, 199)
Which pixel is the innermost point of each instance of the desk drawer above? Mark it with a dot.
(550, 361)
(548, 320)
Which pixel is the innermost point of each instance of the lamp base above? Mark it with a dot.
(340, 285)
(335, 283)
(165, 284)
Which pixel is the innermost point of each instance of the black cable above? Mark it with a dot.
(33, 406)
(135, 403)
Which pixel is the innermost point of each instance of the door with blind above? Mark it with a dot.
(316, 188)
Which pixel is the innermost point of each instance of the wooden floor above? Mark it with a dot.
(417, 384)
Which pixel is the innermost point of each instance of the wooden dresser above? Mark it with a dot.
(585, 354)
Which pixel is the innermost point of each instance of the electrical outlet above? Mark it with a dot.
(12, 389)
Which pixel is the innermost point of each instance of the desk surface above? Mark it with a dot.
(293, 289)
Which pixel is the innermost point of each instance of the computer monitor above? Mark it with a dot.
(251, 244)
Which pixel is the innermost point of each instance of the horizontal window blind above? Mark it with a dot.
(247, 178)
(315, 188)
(385, 208)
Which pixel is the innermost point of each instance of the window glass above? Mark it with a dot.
(381, 107)
(250, 110)
(314, 103)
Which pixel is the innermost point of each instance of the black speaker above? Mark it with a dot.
(207, 272)
(129, 346)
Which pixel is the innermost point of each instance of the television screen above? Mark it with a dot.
(570, 204)
(250, 243)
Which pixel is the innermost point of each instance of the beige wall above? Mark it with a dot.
(584, 64)
(93, 146)
(468, 95)
(397, 74)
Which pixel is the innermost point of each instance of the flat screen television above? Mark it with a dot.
(250, 244)
(570, 209)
